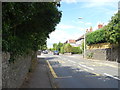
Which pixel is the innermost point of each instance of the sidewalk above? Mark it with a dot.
(102, 62)
(39, 78)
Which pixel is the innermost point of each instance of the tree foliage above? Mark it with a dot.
(95, 37)
(109, 33)
(57, 47)
(113, 30)
(76, 50)
(26, 26)
(67, 48)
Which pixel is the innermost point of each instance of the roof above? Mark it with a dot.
(82, 37)
(71, 41)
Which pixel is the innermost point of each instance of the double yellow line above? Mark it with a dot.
(52, 71)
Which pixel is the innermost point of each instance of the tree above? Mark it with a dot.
(112, 30)
(95, 37)
(76, 50)
(27, 28)
(55, 46)
(67, 48)
(62, 50)
(59, 46)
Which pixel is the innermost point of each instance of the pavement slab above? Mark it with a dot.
(40, 77)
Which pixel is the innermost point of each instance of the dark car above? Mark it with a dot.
(56, 52)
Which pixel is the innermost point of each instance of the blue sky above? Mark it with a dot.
(92, 12)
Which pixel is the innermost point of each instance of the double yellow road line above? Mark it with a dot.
(52, 71)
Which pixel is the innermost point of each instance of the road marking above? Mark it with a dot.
(111, 76)
(89, 71)
(52, 71)
(72, 61)
(61, 61)
(65, 77)
(83, 69)
(86, 66)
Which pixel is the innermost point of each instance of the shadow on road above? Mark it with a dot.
(70, 77)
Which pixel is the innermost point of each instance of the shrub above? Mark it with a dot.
(76, 50)
(62, 50)
(67, 48)
(95, 37)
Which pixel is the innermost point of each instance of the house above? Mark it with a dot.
(72, 42)
(100, 26)
(79, 41)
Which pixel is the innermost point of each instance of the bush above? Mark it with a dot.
(76, 50)
(96, 37)
(67, 48)
(90, 55)
(62, 50)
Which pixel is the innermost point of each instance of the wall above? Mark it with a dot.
(110, 54)
(99, 46)
(13, 74)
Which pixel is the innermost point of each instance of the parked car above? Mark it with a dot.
(39, 52)
(45, 52)
(56, 52)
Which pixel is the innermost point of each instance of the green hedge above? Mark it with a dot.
(76, 50)
(95, 37)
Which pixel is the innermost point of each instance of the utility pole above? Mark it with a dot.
(84, 39)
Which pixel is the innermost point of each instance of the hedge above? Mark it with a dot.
(76, 50)
(95, 37)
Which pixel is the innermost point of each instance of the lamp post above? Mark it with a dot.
(84, 38)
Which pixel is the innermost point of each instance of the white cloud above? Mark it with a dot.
(57, 36)
(88, 23)
(63, 26)
(60, 35)
(82, 22)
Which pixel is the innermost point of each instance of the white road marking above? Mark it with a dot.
(111, 76)
(86, 66)
(72, 61)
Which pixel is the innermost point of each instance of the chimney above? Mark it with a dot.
(91, 29)
(100, 26)
(87, 30)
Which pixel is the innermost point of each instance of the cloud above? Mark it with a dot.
(57, 36)
(62, 35)
(63, 26)
(82, 22)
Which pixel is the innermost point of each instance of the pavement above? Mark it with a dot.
(39, 78)
(102, 62)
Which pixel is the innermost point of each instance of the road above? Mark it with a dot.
(75, 72)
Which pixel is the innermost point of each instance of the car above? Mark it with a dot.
(56, 52)
(39, 52)
(45, 52)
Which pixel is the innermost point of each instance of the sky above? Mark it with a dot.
(92, 13)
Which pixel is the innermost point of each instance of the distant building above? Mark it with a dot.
(100, 26)
(89, 30)
(79, 41)
(72, 42)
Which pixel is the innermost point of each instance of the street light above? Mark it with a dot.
(84, 38)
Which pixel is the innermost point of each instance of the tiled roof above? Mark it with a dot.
(72, 41)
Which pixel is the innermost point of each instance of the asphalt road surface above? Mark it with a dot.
(74, 72)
